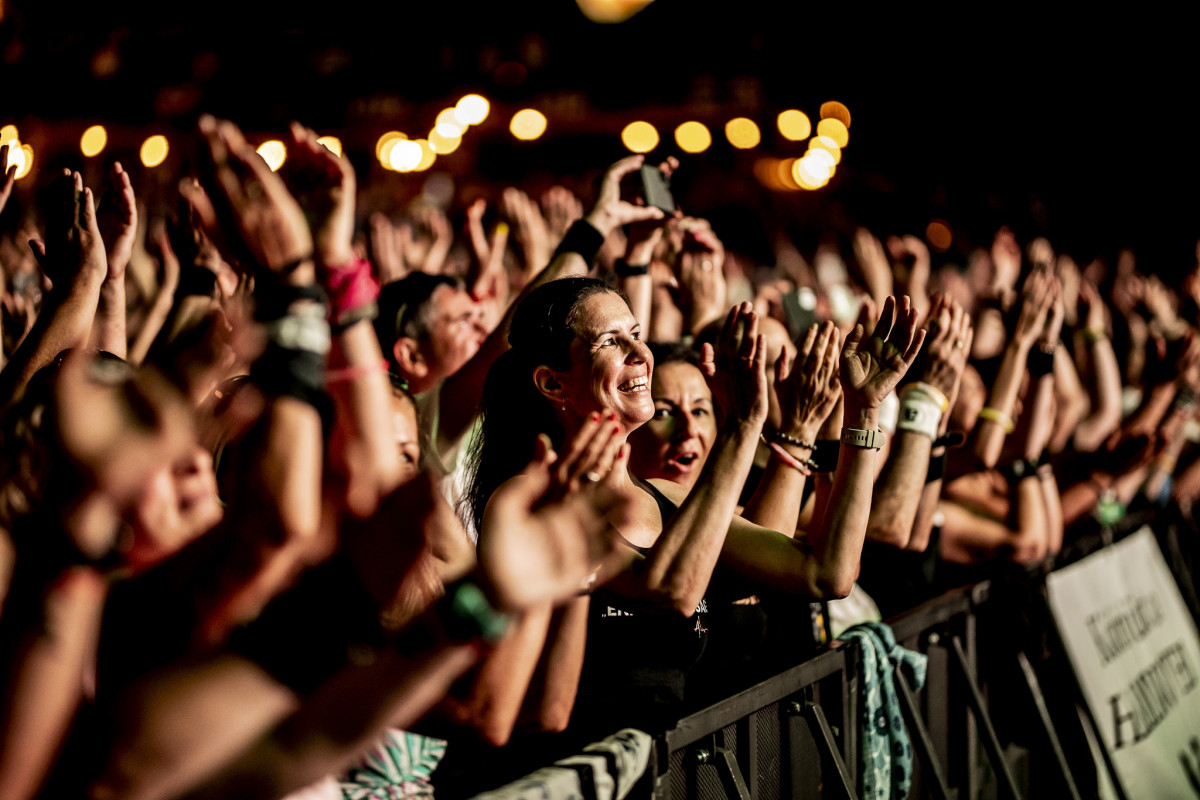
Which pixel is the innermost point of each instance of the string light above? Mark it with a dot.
(640, 137)
(274, 152)
(404, 155)
(331, 143)
(427, 156)
(742, 133)
(827, 144)
(154, 150)
(794, 124)
(93, 141)
(443, 145)
(384, 143)
(835, 129)
(693, 137)
(471, 109)
(528, 124)
(835, 110)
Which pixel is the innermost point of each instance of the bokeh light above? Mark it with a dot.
(827, 144)
(640, 137)
(331, 143)
(693, 137)
(742, 133)
(404, 155)
(427, 156)
(274, 152)
(835, 110)
(472, 109)
(443, 145)
(834, 129)
(447, 126)
(9, 134)
(384, 143)
(154, 150)
(822, 155)
(939, 235)
(19, 156)
(811, 173)
(794, 125)
(784, 171)
(527, 124)
(93, 141)
(610, 11)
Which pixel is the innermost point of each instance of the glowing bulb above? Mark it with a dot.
(8, 134)
(274, 152)
(528, 124)
(640, 137)
(824, 156)
(834, 129)
(742, 133)
(693, 137)
(447, 126)
(383, 145)
(827, 144)
(331, 143)
(609, 11)
(784, 172)
(19, 156)
(939, 236)
(810, 173)
(794, 125)
(427, 156)
(93, 141)
(404, 155)
(443, 145)
(471, 110)
(835, 110)
(154, 151)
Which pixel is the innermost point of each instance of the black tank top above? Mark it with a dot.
(637, 660)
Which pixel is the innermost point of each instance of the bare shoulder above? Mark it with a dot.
(674, 492)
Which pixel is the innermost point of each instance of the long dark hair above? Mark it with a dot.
(512, 410)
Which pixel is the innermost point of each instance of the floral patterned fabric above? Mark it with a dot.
(398, 766)
(885, 760)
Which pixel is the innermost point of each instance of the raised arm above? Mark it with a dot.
(462, 390)
(73, 258)
(118, 220)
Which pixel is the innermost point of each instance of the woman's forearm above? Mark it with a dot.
(989, 434)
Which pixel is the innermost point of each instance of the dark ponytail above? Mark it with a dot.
(512, 410)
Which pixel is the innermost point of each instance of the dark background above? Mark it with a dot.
(1079, 127)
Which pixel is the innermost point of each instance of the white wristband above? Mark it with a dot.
(919, 413)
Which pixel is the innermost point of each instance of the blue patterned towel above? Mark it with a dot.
(398, 766)
(885, 763)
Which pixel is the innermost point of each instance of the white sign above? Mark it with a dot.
(1136, 653)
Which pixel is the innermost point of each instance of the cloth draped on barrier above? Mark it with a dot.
(886, 760)
(605, 770)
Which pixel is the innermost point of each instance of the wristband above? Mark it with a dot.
(466, 613)
(937, 468)
(780, 436)
(627, 270)
(583, 239)
(1093, 335)
(1019, 470)
(825, 455)
(356, 371)
(933, 393)
(997, 416)
(919, 413)
(803, 468)
(307, 331)
(950, 440)
(353, 292)
(858, 437)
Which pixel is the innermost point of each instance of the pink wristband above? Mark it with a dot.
(789, 459)
(356, 371)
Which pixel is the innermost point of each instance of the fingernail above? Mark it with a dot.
(616, 429)
(595, 416)
(612, 416)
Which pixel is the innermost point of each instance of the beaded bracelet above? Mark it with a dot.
(784, 438)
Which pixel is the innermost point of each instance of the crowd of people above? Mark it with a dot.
(337, 499)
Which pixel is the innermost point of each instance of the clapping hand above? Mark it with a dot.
(810, 390)
(736, 369)
(872, 366)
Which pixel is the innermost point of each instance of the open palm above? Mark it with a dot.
(872, 367)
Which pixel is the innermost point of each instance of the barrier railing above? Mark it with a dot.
(795, 735)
